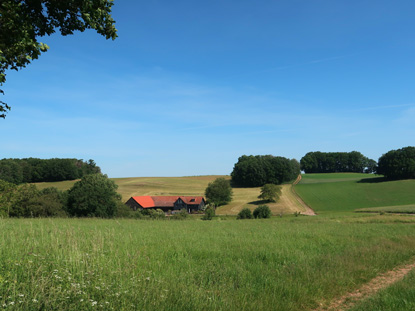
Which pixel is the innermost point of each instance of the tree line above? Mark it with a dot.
(337, 162)
(30, 170)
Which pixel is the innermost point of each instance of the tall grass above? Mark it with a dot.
(399, 296)
(277, 264)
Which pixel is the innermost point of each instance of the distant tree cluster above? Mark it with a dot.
(93, 196)
(256, 171)
(337, 162)
(32, 170)
(398, 164)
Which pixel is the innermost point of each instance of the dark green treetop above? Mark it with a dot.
(219, 192)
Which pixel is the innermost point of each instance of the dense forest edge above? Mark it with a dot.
(31, 170)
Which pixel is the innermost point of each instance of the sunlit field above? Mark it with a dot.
(288, 263)
(348, 192)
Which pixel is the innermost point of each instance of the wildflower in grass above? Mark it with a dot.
(94, 303)
(35, 300)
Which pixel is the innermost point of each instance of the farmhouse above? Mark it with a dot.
(166, 203)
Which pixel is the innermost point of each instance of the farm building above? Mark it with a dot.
(166, 203)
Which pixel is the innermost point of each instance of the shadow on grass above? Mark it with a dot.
(373, 180)
(259, 202)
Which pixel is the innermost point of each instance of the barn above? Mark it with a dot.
(166, 203)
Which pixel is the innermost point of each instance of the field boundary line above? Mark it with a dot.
(380, 282)
(308, 210)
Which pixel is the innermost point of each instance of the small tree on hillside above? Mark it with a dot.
(219, 191)
(93, 196)
(270, 193)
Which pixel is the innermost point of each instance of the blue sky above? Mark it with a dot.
(189, 86)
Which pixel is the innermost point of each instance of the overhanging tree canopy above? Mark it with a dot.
(22, 22)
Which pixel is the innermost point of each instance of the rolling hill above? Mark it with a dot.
(340, 192)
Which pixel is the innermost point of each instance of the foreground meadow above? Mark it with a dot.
(289, 263)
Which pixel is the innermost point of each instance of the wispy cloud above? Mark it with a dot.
(382, 107)
(289, 66)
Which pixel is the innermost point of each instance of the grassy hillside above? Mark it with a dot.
(290, 263)
(349, 191)
(193, 185)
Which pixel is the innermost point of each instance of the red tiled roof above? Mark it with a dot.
(165, 201)
(192, 200)
(145, 201)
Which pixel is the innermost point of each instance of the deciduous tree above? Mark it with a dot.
(93, 196)
(219, 192)
(270, 193)
(22, 22)
(398, 164)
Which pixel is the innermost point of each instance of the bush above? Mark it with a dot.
(124, 211)
(262, 211)
(209, 214)
(183, 214)
(245, 214)
(156, 214)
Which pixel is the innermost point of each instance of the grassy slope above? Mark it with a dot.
(347, 192)
(194, 185)
(289, 263)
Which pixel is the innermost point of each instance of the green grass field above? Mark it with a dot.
(289, 263)
(400, 209)
(348, 192)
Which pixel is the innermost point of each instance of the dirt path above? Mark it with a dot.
(307, 209)
(380, 282)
